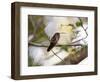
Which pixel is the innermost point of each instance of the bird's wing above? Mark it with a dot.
(55, 38)
(53, 41)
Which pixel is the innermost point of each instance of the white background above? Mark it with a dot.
(5, 40)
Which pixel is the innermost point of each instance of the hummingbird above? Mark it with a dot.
(53, 41)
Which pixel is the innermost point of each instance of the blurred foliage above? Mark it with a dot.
(79, 23)
(40, 35)
(64, 47)
(36, 27)
(76, 53)
(30, 26)
(31, 63)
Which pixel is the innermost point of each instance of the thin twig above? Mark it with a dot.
(85, 32)
(86, 28)
(55, 54)
(58, 56)
(30, 43)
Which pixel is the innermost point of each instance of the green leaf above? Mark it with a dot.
(79, 23)
(65, 47)
(30, 26)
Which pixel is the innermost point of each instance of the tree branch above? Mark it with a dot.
(85, 32)
(40, 45)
